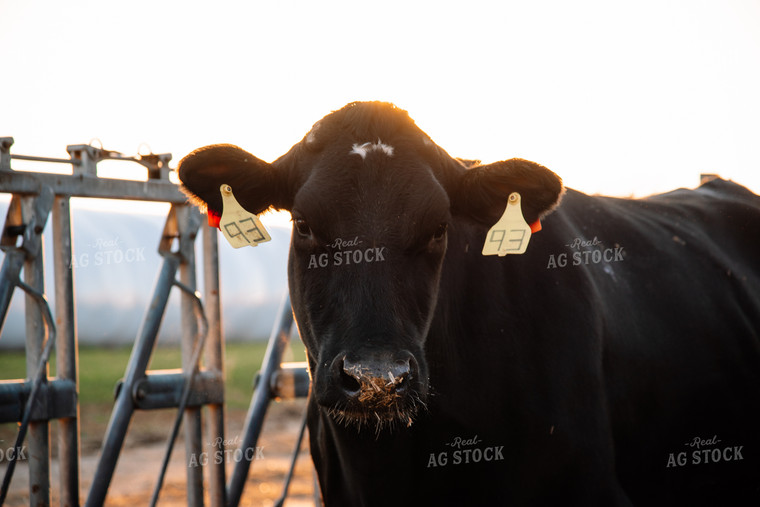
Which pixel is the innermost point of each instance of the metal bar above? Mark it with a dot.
(56, 399)
(87, 157)
(138, 362)
(90, 186)
(84, 182)
(215, 363)
(110, 156)
(46, 159)
(189, 375)
(38, 383)
(84, 158)
(164, 389)
(290, 381)
(257, 410)
(38, 437)
(289, 476)
(5, 153)
(20, 224)
(67, 358)
(192, 415)
(29, 215)
(12, 264)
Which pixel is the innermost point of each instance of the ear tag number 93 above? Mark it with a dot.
(240, 227)
(510, 235)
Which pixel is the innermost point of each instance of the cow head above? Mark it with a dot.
(373, 201)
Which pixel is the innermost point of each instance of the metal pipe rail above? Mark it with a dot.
(22, 242)
(40, 399)
(40, 377)
(275, 380)
(36, 401)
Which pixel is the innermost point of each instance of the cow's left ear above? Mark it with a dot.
(257, 185)
(482, 191)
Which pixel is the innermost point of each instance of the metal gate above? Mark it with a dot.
(38, 399)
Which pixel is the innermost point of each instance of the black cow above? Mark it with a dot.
(615, 362)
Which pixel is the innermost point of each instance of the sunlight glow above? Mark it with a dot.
(617, 99)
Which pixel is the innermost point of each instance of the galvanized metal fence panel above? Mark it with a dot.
(38, 399)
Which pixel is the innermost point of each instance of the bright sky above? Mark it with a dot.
(617, 98)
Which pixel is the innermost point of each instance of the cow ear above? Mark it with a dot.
(483, 190)
(255, 183)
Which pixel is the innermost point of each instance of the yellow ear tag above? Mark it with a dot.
(240, 227)
(510, 235)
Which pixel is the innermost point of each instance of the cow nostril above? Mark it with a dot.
(349, 383)
(399, 383)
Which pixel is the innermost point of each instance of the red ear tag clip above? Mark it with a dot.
(214, 218)
(535, 226)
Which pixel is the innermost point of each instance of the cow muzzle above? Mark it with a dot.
(375, 383)
(378, 390)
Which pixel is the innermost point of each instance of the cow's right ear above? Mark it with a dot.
(256, 184)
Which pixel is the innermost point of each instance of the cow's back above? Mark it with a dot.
(677, 293)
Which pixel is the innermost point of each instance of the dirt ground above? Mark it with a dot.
(139, 464)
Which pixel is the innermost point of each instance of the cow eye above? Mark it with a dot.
(440, 232)
(302, 227)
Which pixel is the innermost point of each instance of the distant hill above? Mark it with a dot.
(116, 262)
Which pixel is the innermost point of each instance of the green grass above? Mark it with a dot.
(100, 368)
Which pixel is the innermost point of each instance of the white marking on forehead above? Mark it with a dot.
(363, 149)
